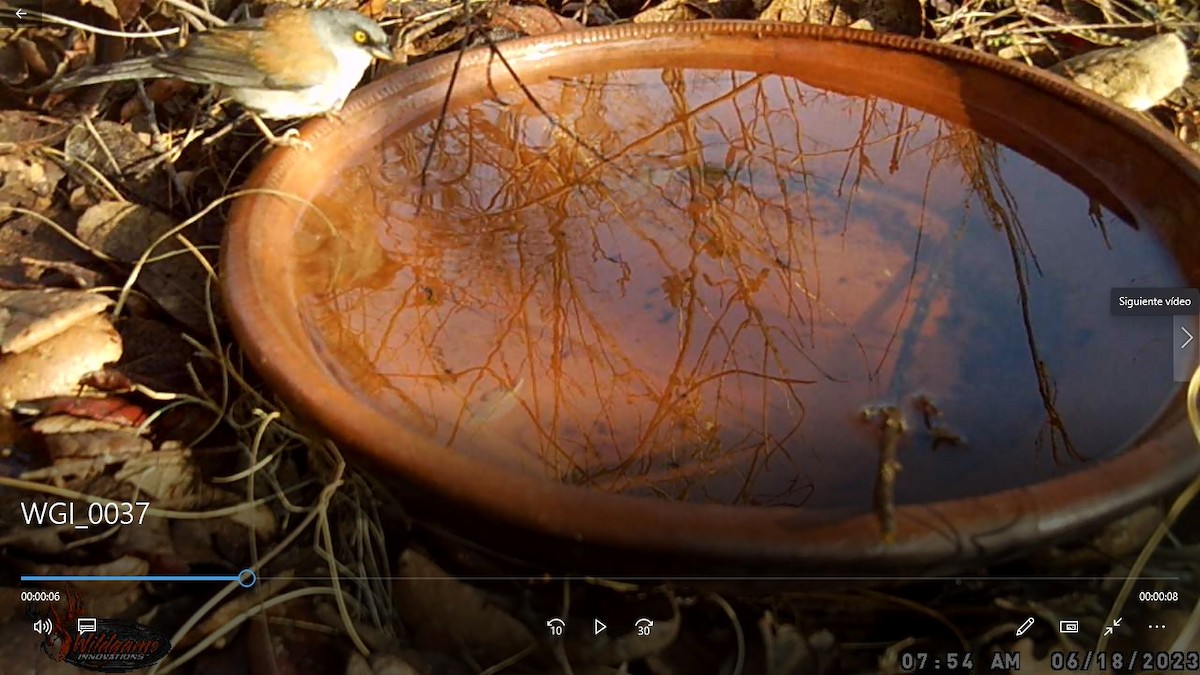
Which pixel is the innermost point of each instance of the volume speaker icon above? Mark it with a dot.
(43, 627)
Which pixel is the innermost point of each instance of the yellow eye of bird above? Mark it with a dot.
(360, 37)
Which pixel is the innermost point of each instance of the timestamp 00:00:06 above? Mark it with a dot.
(98, 513)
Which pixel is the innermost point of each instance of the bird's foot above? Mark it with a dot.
(289, 139)
(335, 116)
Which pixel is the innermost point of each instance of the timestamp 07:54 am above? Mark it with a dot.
(1057, 661)
(958, 662)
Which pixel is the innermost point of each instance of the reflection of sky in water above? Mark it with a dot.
(700, 304)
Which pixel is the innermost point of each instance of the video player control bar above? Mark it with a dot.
(1155, 302)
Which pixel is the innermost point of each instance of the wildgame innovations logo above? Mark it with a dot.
(100, 645)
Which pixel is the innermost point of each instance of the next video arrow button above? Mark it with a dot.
(1189, 339)
(598, 626)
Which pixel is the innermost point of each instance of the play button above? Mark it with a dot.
(598, 626)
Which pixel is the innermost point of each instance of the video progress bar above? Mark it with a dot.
(687, 579)
(246, 578)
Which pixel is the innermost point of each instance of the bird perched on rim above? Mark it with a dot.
(289, 64)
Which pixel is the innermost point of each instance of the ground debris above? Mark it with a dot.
(28, 317)
(56, 366)
(1137, 76)
(165, 267)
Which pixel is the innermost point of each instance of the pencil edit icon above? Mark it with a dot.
(1025, 627)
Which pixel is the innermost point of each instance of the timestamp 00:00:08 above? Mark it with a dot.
(1145, 661)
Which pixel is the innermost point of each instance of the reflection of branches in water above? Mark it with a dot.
(933, 257)
(469, 17)
(726, 201)
(981, 162)
(713, 234)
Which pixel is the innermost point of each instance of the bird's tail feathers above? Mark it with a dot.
(133, 69)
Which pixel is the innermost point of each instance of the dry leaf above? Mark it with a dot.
(117, 153)
(1137, 76)
(54, 367)
(156, 355)
(72, 413)
(239, 604)
(42, 540)
(445, 613)
(788, 652)
(172, 478)
(380, 664)
(126, 231)
(87, 454)
(822, 12)
(168, 476)
(69, 424)
(690, 10)
(106, 6)
(151, 540)
(29, 130)
(13, 68)
(531, 20)
(42, 273)
(903, 17)
(62, 443)
(29, 317)
(1030, 664)
(27, 180)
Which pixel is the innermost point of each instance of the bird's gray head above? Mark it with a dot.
(351, 28)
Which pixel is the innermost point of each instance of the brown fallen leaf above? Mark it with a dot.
(126, 231)
(40, 55)
(822, 12)
(70, 424)
(40, 540)
(903, 17)
(107, 6)
(28, 317)
(27, 180)
(27, 130)
(151, 541)
(13, 69)
(690, 10)
(42, 272)
(1137, 76)
(238, 604)
(445, 613)
(788, 652)
(54, 367)
(380, 664)
(110, 380)
(87, 454)
(156, 355)
(172, 477)
(531, 20)
(119, 155)
(24, 237)
(112, 410)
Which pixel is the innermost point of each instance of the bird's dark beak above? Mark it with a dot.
(382, 53)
